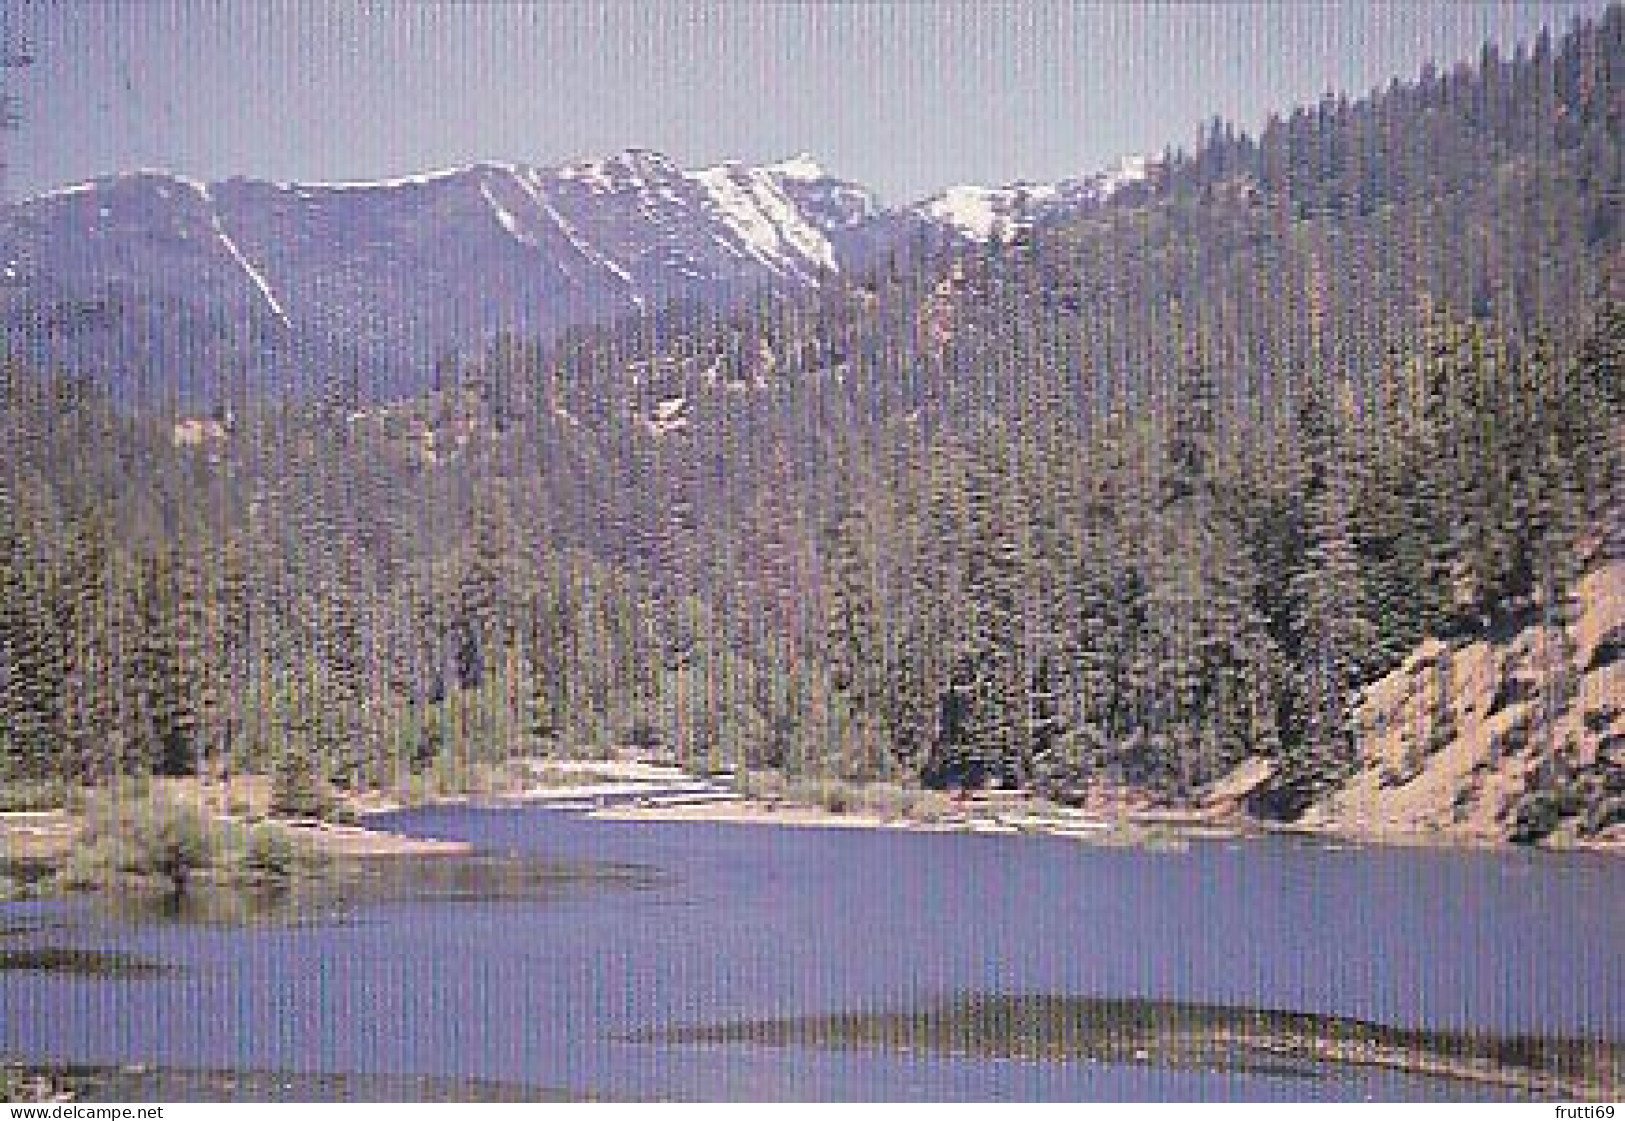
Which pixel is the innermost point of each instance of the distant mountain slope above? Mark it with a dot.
(116, 274)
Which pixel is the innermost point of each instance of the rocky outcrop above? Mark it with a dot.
(1516, 736)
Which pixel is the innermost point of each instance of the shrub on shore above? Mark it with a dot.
(157, 844)
(272, 858)
(883, 800)
(151, 842)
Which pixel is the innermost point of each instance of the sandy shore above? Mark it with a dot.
(1166, 829)
(758, 813)
(358, 840)
(1008, 816)
(637, 791)
(1115, 833)
(42, 835)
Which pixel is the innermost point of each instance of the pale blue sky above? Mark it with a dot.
(907, 98)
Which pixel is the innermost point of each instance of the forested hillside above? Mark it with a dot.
(1128, 501)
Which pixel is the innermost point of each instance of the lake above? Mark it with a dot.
(569, 990)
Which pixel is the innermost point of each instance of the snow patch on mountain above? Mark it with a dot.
(801, 166)
(983, 213)
(417, 180)
(589, 173)
(196, 186)
(751, 203)
(256, 277)
(162, 187)
(972, 211)
(591, 255)
(62, 192)
(1130, 169)
(505, 217)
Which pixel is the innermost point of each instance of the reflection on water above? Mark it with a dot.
(346, 885)
(510, 970)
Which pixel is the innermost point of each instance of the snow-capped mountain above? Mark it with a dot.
(282, 280)
(982, 213)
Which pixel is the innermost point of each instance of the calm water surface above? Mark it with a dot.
(742, 922)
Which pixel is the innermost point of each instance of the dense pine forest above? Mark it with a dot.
(1120, 503)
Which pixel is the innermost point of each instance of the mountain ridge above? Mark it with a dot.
(397, 271)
